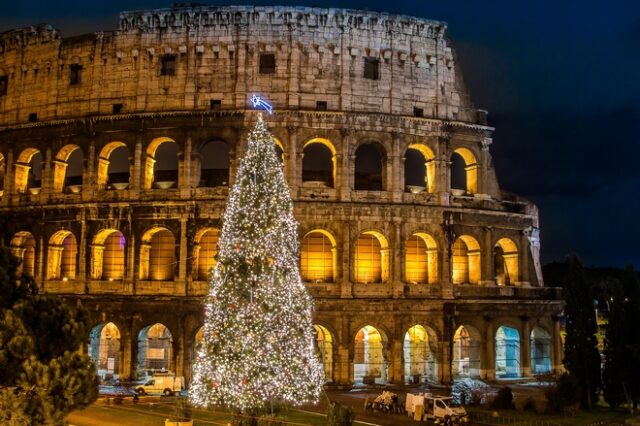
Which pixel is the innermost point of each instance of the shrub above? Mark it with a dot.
(340, 415)
(565, 393)
(504, 399)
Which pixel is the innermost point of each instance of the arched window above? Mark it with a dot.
(214, 164)
(107, 255)
(464, 171)
(161, 165)
(67, 169)
(318, 257)
(505, 261)
(419, 169)
(540, 351)
(372, 258)
(157, 255)
(466, 260)
(319, 163)
(507, 352)
(369, 167)
(419, 355)
(28, 171)
(155, 350)
(113, 166)
(204, 252)
(324, 347)
(104, 350)
(62, 256)
(369, 365)
(23, 246)
(421, 261)
(465, 361)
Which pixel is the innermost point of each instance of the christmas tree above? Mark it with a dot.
(258, 335)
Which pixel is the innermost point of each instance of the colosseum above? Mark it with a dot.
(117, 150)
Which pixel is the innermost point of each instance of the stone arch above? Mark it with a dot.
(318, 256)
(369, 362)
(507, 350)
(466, 357)
(279, 147)
(466, 260)
(371, 258)
(104, 350)
(68, 168)
(469, 176)
(215, 163)
(323, 343)
(420, 168)
(421, 259)
(540, 351)
(205, 249)
(420, 346)
(28, 170)
(155, 350)
(161, 164)
(113, 166)
(319, 162)
(62, 256)
(370, 167)
(157, 255)
(108, 255)
(23, 246)
(505, 262)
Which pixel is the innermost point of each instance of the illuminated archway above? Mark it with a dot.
(23, 246)
(466, 260)
(369, 173)
(62, 256)
(157, 255)
(214, 164)
(465, 361)
(507, 352)
(161, 164)
(420, 167)
(505, 261)
(318, 257)
(540, 351)
(28, 170)
(419, 352)
(155, 350)
(108, 255)
(372, 258)
(369, 364)
(324, 347)
(104, 350)
(68, 168)
(279, 147)
(113, 166)
(319, 162)
(205, 250)
(467, 178)
(421, 259)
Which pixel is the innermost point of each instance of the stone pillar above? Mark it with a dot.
(40, 264)
(523, 269)
(344, 163)
(128, 352)
(445, 345)
(397, 176)
(179, 350)
(525, 348)
(46, 179)
(343, 375)
(9, 183)
(183, 252)
(557, 351)
(397, 361)
(482, 171)
(89, 173)
(82, 249)
(443, 169)
(397, 263)
(486, 253)
(135, 174)
(488, 361)
(346, 290)
(293, 160)
(184, 167)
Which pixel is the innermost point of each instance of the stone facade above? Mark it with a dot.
(340, 78)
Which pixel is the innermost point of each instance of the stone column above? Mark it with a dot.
(483, 169)
(445, 345)
(523, 269)
(397, 263)
(9, 180)
(344, 163)
(525, 348)
(488, 361)
(397, 361)
(397, 176)
(88, 173)
(46, 183)
(179, 354)
(128, 352)
(443, 169)
(343, 375)
(82, 249)
(135, 175)
(557, 351)
(183, 253)
(184, 167)
(486, 253)
(346, 290)
(293, 163)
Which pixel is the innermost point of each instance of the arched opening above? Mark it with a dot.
(161, 165)
(324, 348)
(23, 246)
(279, 147)
(466, 260)
(464, 171)
(214, 164)
(197, 340)
(157, 255)
(319, 163)
(67, 169)
(465, 361)
(540, 351)
(113, 166)
(205, 250)
(369, 364)
(421, 259)
(369, 167)
(318, 257)
(62, 256)
(2, 173)
(505, 262)
(28, 170)
(372, 258)
(155, 350)
(507, 352)
(107, 255)
(104, 350)
(419, 355)
(419, 169)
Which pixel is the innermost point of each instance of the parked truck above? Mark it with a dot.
(444, 410)
(161, 383)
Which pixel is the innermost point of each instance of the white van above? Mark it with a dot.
(161, 383)
(444, 409)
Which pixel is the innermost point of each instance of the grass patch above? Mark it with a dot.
(581, 418)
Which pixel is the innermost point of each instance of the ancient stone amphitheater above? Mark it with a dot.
(117, 150)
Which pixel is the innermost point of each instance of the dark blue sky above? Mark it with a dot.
(561, 81)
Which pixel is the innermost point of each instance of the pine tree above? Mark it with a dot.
(631, 333)
(614, 377)
(258, 338)
(581, 356)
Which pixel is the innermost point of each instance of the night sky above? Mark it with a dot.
(561, 81)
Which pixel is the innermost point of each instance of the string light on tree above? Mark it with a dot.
(258, 335)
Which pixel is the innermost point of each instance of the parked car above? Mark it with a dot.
(162, 383)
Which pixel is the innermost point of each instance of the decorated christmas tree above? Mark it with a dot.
(258, 335)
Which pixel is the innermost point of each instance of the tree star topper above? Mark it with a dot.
(258, 102)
